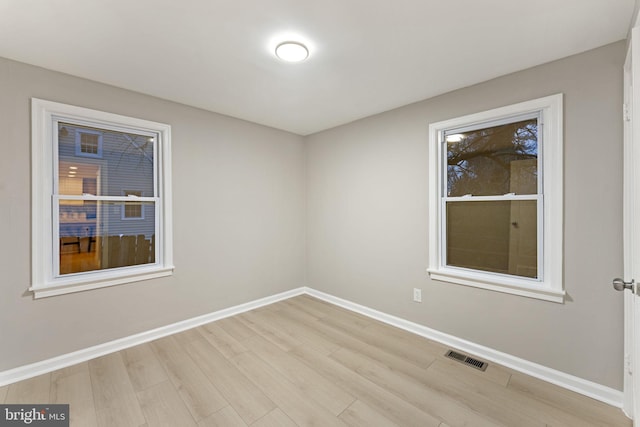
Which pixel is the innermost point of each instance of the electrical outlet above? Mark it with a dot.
(417, 295)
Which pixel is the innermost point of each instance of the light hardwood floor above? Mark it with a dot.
(302, 362)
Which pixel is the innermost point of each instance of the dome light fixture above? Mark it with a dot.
(291, 51)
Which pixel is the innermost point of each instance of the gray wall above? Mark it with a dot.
(367, 220)
(238, 211)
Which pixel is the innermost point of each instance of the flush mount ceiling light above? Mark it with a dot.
(292, 51)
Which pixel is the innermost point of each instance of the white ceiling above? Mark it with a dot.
(367, 56)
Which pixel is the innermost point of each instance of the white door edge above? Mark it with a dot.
(631, 239)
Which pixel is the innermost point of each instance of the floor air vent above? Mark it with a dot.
(463, 358)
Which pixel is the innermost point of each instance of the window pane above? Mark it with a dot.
(104, 162)
(89, 143)
(497, 236)
(94, 236)
(494, 160)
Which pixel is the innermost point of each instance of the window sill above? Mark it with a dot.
(508, 285)
(84, 283)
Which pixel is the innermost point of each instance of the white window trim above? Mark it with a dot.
(44, 282)
(550, 286)
(79, 151)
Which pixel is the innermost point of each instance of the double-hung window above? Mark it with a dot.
(496, 199)
(83, 236)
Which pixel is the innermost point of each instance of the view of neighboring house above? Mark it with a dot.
(104, 177)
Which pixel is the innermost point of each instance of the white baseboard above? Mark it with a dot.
(588, 388)
(605, 394)
(34, 369)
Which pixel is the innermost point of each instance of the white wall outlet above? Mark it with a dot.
(417, 295)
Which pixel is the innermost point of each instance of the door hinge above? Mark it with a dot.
(626, 112)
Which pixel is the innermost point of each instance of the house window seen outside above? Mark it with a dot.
(88, 143)
(133, 209)
(89, 200)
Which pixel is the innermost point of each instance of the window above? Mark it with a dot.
(88, 143)
(495, 209)
(133, 209)
(82, 233)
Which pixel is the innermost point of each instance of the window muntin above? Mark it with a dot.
(80, 238)
(89, 143)
(499, 227)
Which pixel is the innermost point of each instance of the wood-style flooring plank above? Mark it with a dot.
(494, 372)
(269, 307)
(163, 407)
(333, 311)
(295, 311)
(303, 362)
(113, 395)
(72, 386)
(224, 342)
(32, 390)
(394, 408)
(432, 401)
(299, 330)
(143, 366)
(185, 337)
(495, 401)
(198, 393)
(291, 333)
(393, 357)
(249, 320)
(309, 383)
(420, 354)
(339, 337)
(306, 305)
(283, 393)
(494, 397)
(225, 417)
(289, 305)
(259, 322)
(383, 340)
(235, 328)
(243, 395)
(275, 418)
(582, 407)
(360, 414)
(392, 361)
